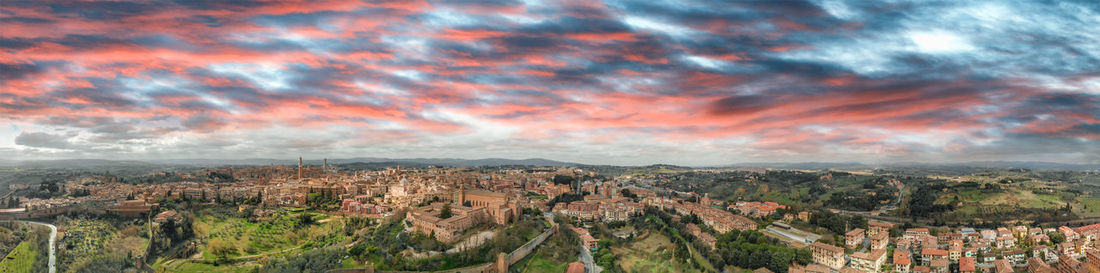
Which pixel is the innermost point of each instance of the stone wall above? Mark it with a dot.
(526, 249)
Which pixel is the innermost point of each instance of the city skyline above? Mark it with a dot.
(617, 82)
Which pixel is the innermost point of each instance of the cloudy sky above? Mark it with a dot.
(618, 82)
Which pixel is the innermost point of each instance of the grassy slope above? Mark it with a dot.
(651, 253)
(21, 259)
(538, 264)
(187, 267)
(275, 235)
(1020, 194)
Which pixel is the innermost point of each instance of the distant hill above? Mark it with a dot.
(962, 166)
(484, 162)
(78, 163)
(458, 162)
(453, 162)
(1034, 165)
(804, 165)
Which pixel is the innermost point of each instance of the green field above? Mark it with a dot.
(351, 263)
(1087, 206)
(188, 267)
(21, 259)
(538, 264)
(279, 233)
(553, 255)
(651, 252)
(85, 238)
(252, 242)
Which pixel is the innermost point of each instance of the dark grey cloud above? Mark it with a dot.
(11, 71)
(44, 140)
(742, 104)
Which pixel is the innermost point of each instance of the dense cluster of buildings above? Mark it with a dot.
(757, 209)
(607, 206)
(367, 193)
(719, 219)
(919, 250)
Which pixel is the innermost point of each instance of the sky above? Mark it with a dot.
(615, 82)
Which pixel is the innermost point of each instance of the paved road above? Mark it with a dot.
(53, 244)
(589, 263)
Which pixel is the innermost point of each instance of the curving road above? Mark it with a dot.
(589, 262)
(53, 244)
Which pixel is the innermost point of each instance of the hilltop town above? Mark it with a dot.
(520, 219)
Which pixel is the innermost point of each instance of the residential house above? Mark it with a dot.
(902, 261)
(929, 254)
(868, 261)
(967, 265)
(1015, 256)
(880, 241)
(913, 233)
(876, 227)
(854, 238)
(828, 255)
(1002, 266)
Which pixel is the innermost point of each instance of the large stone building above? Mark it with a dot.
(428, 220)
(132, 208)
(501, 208)
(472, 207)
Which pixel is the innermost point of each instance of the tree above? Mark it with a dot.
(563, 179)
(626, 193)
(857, 221)
(221, 249)
(445, 212)
(305, 219)
(603, 243)
(1057, 237)
(315, 260)
(357, 250)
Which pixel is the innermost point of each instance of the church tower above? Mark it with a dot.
(461, 195)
